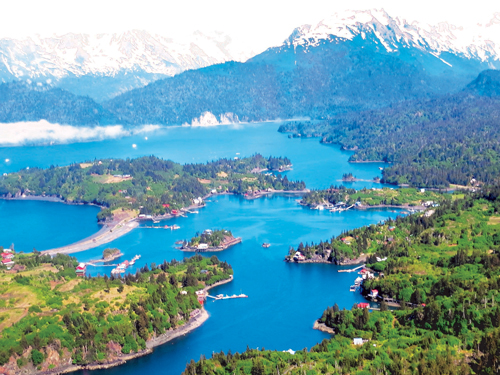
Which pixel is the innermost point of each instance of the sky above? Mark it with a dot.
(256, 22)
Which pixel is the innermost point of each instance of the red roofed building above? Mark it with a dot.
(80, 269)
(7, 262)
(7, 255)
(363, 305)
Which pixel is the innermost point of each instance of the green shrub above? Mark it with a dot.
(36, 357)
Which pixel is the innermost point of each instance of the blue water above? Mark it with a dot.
(318, 165)
(44, 225)
(284, 299)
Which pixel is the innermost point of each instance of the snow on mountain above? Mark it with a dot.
(107, 54)
(480, 42)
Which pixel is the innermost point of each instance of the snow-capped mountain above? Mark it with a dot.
(138, 56)
(480, 42)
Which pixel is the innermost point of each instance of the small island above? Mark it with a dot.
(110, 254)
(211, 240)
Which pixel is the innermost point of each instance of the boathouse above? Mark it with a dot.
(363, 305)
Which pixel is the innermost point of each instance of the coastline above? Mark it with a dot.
(322, 327)
(405, 206)
(186, 328)
(109, 232)
(113, 230)
(190, 249)
(222, 282)
(350, 262)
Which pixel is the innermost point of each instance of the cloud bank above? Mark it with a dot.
(43, 132)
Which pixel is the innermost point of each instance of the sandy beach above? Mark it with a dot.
(109, 232)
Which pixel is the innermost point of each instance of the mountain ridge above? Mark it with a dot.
(137, 54)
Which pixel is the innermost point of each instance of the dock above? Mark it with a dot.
(220, 296)
(353, 269)
(342, 209)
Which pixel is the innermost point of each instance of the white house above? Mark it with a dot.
(202, 246)
(357, 341)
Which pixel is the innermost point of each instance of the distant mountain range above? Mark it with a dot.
(362, 61)
(349, 62)
(105, 65)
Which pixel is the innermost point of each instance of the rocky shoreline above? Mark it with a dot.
(347, 262)
(322, 327)
(191, 325)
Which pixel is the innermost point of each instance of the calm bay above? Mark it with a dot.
(284, 299)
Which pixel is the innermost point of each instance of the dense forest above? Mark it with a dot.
(21, 101)
(77, 320)
(370, 197)
(433, 142)
(147, 185)
(337, 75)
(443, 266)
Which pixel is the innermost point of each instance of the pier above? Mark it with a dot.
(342, 209)
(220, 296)
(353, 269)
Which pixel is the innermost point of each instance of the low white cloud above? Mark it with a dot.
(43, 132)
(209, 119)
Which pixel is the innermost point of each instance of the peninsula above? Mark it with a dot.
(145, 188)
(57, 321)
(443, 270)
(339, 198)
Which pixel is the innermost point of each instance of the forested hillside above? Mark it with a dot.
(443, 267)
(148, 184)
(334, 76)
(434, 142)
(71, 320)
(21, 101)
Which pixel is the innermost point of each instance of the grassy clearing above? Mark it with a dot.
(109, 179)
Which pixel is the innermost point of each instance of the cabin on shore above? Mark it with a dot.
(80, 269)
(298, 256)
